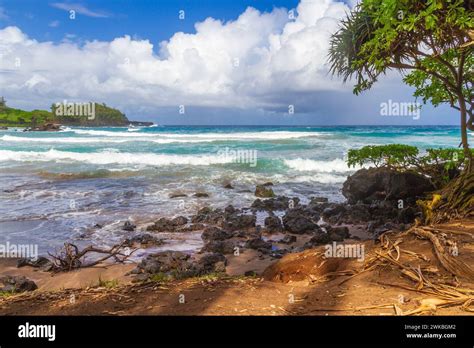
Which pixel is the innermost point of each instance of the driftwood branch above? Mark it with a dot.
(70, 257)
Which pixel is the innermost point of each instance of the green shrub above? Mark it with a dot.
(439, 165)
(450, 158)
(161, 277)
(393, 155)
(109, 284)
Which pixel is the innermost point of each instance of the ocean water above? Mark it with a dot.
(56, 186)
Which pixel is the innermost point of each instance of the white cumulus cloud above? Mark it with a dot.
(258, 60)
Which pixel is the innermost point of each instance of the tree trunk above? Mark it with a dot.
(464, 139)
(457, 198)
(463, 111)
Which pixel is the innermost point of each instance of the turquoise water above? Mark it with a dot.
(55, 186)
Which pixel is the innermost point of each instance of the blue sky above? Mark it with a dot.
(152, 19)
(233, 65)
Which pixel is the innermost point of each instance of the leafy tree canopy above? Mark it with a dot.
(431, 39)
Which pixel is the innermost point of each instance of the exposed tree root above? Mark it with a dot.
(453, 265)
(442, 295)
(457, 199)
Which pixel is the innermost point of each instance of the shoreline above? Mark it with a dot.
(253, 240)
(283, 257)
(260, 225)
(369, 293)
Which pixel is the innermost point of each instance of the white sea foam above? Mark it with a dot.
(100, 136)
(110, 133)
(61, 140)
(323, 178)
(308, 165)
(208, 136)
(64, 140)
(110, 157)
(171, 141)
(132, 134)
(251, 178)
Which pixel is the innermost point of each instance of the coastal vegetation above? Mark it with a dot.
(11, 117)
(108, 284)
(104, 116)
(430, 43)
(439, 165)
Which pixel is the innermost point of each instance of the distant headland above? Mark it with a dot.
(90, 114)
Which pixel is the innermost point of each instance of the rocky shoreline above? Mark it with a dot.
(378, 200)
(389, 204)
